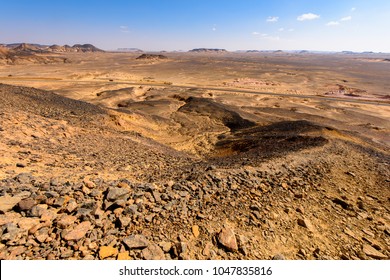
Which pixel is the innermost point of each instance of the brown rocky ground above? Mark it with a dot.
(164, 172)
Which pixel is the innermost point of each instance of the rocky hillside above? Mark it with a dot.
(27, 55)
(34, 53)
(206, 50)
(74, 184)
(146, 56)
(36, 48)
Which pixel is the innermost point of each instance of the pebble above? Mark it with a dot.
(8, 202)
(165, 246)
(306, 224)
(65, 221)
(345, 205)
(107, 251)
(28, 223)
(153, 252)
(89, 184)
(117, 193)
(123, 256)
(195, 231)
(24, 178)
(72, 205)
(227, 239)
(372, 252)
(136, 241)
(78, 232)
(279, 257)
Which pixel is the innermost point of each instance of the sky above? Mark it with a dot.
(322, 25)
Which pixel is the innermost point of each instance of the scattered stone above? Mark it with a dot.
(180, 248)
(48, 215)
(42, 234)
(117, 193)
(345, 205)
(89, 184)
(78, 232)
(195, 231)
(24, 178)
(26, 204)
(153, 252)
(300, 210)
(302, 252)
(54, 182)
(123, 256)
(227, 239)
(165, 246)
(28, 223)
(21, 165)
(59, 202)
(306, 224)
(279, 257)
(107, 251)
(65, 221)
(242, 244)
(350, 233)
(124, 221)
(72, 205)
(372, 252)
(8, 202)
(207, 249)
(136, 241)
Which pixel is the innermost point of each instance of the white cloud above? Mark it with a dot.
(291, 30)
(281, 29)
(333, 23)
(124, 28)
(264, 35)
(272, 19)
(353, 9)
(214, 29)
(308, 16)
(255, 33)
(346, 18)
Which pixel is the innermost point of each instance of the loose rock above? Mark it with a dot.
(227, 238)
(7, 203)
(107, 251)
(372, 252)
(136, 242)
(78, 232)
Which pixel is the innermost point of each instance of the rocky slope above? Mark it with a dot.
(76, 185)
(40, 54)
(206, 50)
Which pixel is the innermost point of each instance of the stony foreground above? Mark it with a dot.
(73, 187)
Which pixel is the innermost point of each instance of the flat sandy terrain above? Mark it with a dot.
(197, 156)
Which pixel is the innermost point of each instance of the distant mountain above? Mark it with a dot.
(129, 50)
(37, 48)
(28, 54)
(27, 45)
(86, 48)
(205, 50)
(27, 48)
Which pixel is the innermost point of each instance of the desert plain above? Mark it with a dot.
(195, 155)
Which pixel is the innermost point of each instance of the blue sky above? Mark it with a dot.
(331, 25)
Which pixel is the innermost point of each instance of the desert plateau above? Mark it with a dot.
(199, 155)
